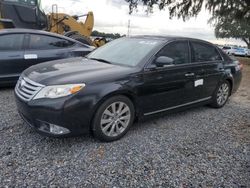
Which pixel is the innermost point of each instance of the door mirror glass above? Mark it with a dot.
(163, 61)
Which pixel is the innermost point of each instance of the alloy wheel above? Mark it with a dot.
(222, 94)
(115, 119)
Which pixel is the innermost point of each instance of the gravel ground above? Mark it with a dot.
(201, 147)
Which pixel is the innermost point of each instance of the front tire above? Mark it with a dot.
(221, 95)
(113, 118)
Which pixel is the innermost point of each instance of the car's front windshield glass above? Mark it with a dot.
(124, 51)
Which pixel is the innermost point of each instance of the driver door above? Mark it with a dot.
(170, 86)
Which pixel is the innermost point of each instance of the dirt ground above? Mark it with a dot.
(243, 94)
(242, 97)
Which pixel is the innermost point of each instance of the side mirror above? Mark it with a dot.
(163, 60)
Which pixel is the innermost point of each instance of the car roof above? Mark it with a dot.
(168, 38)
(33, 31)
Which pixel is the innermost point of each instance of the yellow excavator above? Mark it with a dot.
(28, 14)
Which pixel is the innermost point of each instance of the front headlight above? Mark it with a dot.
(57, 91)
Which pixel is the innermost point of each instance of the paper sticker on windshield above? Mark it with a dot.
(148, 42)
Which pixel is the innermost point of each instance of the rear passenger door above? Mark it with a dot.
(209, 67)
(11, 56)
(41, 48)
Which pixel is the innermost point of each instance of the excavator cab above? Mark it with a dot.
(22, 14)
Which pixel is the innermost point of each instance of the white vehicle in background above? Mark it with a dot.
(248, 52)
(237, 51)
(241, 52)
(229, 50)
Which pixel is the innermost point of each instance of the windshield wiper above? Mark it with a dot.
(102, 60)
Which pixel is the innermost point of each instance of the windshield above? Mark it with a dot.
(125, 51)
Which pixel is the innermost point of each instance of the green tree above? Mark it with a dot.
(106, 35)
(230, 27)
(188, 8)
(231, 18)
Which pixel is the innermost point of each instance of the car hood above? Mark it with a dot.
(74, 70)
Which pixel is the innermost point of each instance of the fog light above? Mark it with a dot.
(43, 126)
(51, 128)
(55, 129)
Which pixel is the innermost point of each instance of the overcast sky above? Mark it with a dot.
(112, 16)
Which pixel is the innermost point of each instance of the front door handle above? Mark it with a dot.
(189, 74)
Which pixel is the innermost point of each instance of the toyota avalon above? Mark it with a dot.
(126, 79)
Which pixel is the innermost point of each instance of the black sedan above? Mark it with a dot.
(126, 79)
(22, 48)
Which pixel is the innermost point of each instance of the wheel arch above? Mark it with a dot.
(227, 77)
(230, 80)
(127, 93)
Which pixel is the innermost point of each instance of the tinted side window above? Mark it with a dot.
(11, 42)
(46, 42)
(202, 52)
(25, 2)
(178, 51)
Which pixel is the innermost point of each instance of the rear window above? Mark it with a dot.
(202, 52)
(11, 42)
(226, 48)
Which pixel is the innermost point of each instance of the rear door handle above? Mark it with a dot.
(189, 74)
(30, 56)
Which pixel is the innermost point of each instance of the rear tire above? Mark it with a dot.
(113, 118)
(221, 95)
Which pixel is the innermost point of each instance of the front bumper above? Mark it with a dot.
(68, 113)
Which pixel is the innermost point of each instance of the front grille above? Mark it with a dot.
(26, 89)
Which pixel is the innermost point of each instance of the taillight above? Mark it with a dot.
(238, 66)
